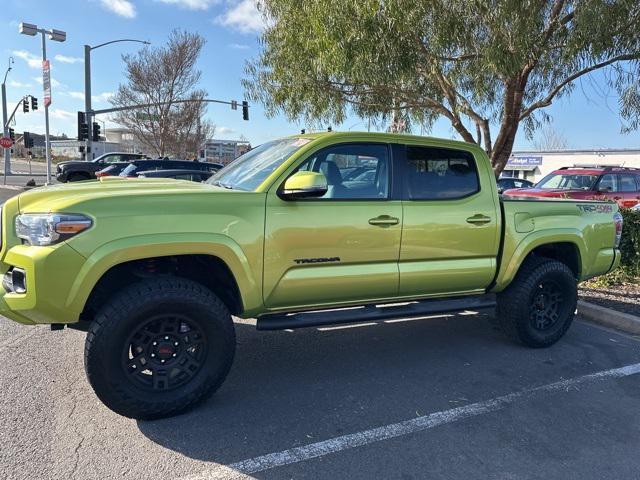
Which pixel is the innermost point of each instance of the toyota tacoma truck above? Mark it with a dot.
(302, 231)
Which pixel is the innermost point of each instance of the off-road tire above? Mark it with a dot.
(515, 303)
(110, 332)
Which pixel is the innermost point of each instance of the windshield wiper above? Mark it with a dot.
(218, 183)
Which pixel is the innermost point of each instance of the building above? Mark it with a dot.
(534, 166)
(125, 138)
(223, 151)
(70, 148)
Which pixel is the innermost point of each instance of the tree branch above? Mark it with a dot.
(546, 101)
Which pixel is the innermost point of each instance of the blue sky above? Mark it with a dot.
(588, 118)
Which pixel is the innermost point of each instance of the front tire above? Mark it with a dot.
(158, 348)
(537, 308)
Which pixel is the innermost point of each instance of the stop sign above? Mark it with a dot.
(6, 142)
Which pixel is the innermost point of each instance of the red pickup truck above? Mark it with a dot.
(619, 184)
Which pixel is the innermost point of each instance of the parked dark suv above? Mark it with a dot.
(132, 169)
(506, 183)
(74, 171)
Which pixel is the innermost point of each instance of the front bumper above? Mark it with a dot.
(50, 273)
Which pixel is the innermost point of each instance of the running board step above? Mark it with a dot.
(316, 318)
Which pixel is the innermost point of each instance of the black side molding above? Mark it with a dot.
(281, 321)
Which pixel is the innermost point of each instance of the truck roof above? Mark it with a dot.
(595, 169)
(385, 137)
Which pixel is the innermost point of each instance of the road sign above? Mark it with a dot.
(6, 142)
(46, 82)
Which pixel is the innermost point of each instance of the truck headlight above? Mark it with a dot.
(47, 229)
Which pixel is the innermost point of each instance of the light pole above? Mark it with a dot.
(88, 112)
(56, 36)
(5, 122)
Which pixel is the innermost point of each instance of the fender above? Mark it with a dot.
(511, 262)
(162, 245)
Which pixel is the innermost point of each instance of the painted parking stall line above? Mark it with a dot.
(241, 469)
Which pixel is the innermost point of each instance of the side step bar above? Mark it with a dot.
(281, 321)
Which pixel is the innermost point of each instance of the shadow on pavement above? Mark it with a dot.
(288, 389)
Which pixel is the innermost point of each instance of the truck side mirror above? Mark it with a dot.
(304, 185)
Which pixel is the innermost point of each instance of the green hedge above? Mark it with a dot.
(630, 243)
(629, 270)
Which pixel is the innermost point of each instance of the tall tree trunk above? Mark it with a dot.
(513, 97)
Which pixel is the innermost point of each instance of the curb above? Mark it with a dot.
(609, 318)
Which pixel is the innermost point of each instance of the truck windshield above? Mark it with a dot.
(248, 171)
(567, 181)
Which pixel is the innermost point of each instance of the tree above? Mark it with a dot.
(487, 66)
(548, 139)
(162, 78)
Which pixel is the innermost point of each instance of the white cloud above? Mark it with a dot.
(61, 114)
(191, 4)
(239, 46)
(65, 59)
(102, 97)
(34, 61)
(124, 8)
(99, 98)
(13, 83)
(242, 16)
(78, 95)
(224, 131)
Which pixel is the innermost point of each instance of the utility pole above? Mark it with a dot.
(5, 123)
(58, 36)
(88, 153)
(88, 112)
(47, 141)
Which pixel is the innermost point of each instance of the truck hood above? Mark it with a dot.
(63, 197)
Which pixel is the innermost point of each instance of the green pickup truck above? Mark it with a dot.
(302, 231)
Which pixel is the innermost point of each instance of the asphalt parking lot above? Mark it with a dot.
(443, 397)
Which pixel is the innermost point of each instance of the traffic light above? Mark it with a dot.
(25, 105)
(83, 128)
(95, 133)
(28, 141)
(12, 134)
(34, 103)
(245, 110)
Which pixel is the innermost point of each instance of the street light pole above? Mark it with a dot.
(58, 36)
(47, 141)
(5, 124)
(88, 112)
(87, 101)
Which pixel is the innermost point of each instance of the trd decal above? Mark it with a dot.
(598, 208)
(316, 260)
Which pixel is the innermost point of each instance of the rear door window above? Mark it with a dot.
(439, 174)
(628, 182)
(608, 183)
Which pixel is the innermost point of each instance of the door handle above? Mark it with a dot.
(479, 219)
(384, 221)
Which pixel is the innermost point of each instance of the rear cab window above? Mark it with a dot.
(433, 173)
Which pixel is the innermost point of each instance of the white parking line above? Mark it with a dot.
(344, 327)
(411, 319)
(240, 470)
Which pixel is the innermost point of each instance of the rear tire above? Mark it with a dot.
(158, 348)
(537, 308)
